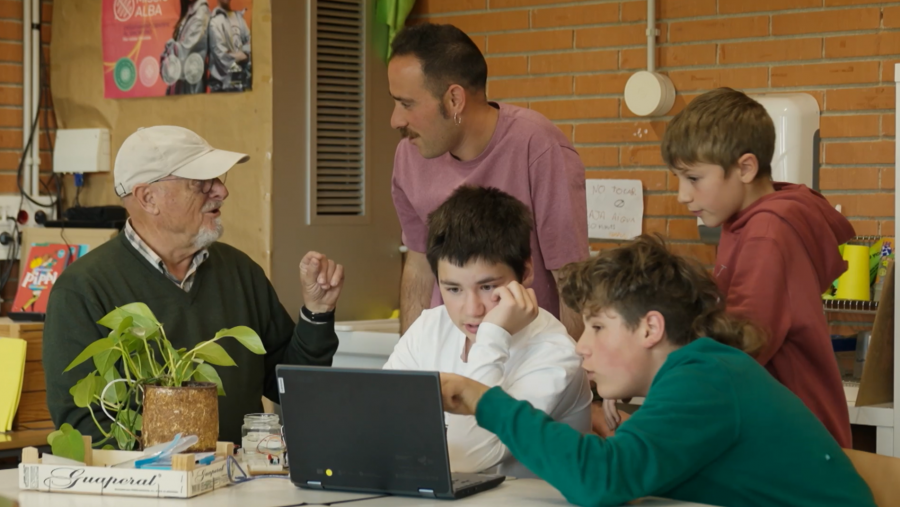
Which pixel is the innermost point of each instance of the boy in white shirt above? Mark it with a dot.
(490, 328)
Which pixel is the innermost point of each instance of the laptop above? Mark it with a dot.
(370, 431)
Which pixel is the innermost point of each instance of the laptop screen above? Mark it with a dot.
(364, 430)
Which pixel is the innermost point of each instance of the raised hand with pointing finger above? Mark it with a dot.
(322, 280)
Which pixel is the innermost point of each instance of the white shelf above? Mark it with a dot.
(874, 415)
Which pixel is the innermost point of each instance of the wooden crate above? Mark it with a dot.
(33, 412)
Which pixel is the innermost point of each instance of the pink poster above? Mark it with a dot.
(176, 47)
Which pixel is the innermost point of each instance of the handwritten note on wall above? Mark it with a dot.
(615, 208)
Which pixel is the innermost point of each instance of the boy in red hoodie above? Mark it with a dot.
(779, 247)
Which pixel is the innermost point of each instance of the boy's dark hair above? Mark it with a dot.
(644, 276)
(719, 127)
(480, 223)
(448, 56)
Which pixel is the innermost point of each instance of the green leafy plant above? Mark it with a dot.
(137, 353)
(66, 442)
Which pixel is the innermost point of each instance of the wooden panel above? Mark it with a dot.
(32, 407)
(34, 377)
(12, 329)
(876, 385)
(36, 425)
(22, 439)
(35, 347)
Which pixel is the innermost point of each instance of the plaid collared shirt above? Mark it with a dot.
(157, 261)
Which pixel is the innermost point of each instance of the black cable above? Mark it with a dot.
(62, 234)
(11, 255)
(56, 177)
(34, 125)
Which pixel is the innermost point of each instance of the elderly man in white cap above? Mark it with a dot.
(172, 183)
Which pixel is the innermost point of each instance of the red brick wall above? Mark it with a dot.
(11, 109)
(11, 90)
(570, 60)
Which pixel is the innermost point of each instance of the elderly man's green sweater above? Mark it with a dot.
(229, 290)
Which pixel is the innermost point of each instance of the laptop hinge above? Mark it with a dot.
(429, 493)
(314, 484)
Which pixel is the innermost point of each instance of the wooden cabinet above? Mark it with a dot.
(33, 412)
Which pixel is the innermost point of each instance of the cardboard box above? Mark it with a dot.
(99, 479)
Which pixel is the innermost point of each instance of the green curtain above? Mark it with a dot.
(390, 15)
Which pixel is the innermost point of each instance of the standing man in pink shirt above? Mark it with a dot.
(452, 136)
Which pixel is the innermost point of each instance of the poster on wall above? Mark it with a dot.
(153, 48)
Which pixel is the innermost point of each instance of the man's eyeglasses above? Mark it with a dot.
(202, 186)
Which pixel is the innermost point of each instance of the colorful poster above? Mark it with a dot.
(153, 48)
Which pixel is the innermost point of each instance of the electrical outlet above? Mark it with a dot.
(6, 226)
(10, 204)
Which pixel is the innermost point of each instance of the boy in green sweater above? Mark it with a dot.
(714, 428)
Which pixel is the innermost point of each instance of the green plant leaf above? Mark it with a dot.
(176, 356)
(187, 371)
(139, 312)
(106, 360)
(109, 447)
(213, 353)
(131, 419)
(52, 436)
(132, 343)
(83, 392)
(125, 441)
(116, 334)
(113, 319)
(206, 373)
(101, 345)
(115, 394)
(146, 371)
(139, 309)
(67, 443)
(246, 336)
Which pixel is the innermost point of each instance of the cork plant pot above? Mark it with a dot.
(192, 409)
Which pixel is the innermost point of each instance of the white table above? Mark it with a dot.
(517, 492)
(256, 493)
(282, 493)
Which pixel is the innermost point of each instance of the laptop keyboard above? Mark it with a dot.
(461, 481)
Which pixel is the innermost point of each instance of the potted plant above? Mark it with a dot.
(148, 388)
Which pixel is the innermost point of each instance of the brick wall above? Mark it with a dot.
(11, 110)
(570, 60)
(11, 90)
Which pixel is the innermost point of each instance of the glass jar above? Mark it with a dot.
(261, 435)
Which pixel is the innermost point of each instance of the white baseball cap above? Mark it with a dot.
(153, 153)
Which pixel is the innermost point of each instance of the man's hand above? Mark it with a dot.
(461, 394)
(322, 281)
(517, 308)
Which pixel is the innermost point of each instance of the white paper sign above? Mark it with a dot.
(615, 208)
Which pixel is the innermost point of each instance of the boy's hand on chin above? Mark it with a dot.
(517, 308)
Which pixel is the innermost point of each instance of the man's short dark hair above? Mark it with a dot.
(448, 56)
(480, 223)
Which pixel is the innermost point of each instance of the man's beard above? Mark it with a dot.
(207, 237)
